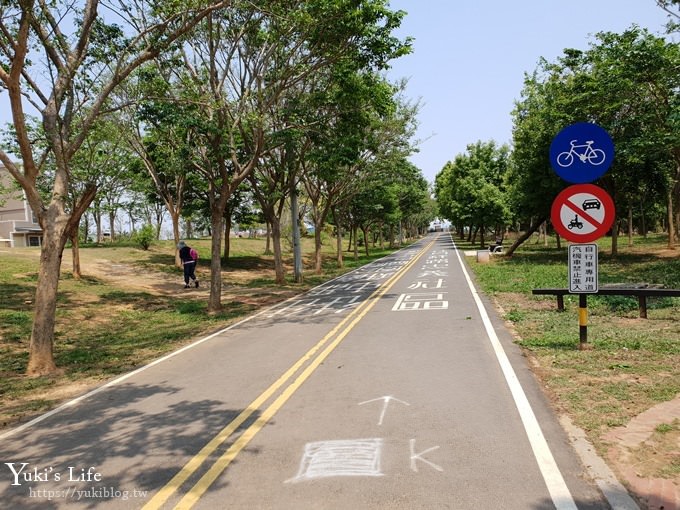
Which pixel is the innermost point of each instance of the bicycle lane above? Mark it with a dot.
(412, 410)
(118, 445)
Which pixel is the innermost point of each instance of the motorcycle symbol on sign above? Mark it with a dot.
(575, 223)
(585, 153)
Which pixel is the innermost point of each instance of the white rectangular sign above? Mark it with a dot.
(583, 264)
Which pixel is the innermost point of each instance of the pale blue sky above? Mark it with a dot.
(470, 57)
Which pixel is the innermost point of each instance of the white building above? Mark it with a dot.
(18, 225)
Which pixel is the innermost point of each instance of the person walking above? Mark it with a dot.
(188, 263)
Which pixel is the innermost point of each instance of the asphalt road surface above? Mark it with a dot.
(393, 387)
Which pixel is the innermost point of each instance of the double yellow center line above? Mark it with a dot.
(339, 332)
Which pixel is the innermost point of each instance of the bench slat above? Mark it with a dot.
(640, 292)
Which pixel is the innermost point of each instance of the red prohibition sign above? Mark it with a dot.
(582, 213)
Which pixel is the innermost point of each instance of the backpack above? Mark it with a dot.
(194, 254)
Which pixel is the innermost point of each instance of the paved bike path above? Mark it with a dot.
(378, 390)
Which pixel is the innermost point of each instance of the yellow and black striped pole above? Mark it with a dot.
(583, 321)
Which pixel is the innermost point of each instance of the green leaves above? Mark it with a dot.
(472, 189)
(627, 83)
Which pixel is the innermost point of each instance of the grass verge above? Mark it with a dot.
(634, 363)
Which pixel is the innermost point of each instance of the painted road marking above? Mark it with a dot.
(421, 301)
(324, 459)
(348, 323)
(419, 456)
(420, 284)
(557, 487)
(386, 402)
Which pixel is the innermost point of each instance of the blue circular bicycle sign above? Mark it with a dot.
(581, 153)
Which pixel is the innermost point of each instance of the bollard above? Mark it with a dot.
(483, 256)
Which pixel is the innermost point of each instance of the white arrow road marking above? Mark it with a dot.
(419, 456)
(386, 401)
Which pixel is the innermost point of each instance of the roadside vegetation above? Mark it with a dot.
(212, 113)
(634, 363)
(127, 309)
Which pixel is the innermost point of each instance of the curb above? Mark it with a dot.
(616, 494)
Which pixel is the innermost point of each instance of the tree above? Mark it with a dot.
(362, 119)
(155, 130)
(627, 83)
(630, 86)
(672, 7)
(531, 181)
(84, 58)
(474, 185)
(238, 68)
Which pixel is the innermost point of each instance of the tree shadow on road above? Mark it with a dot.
(126, 433)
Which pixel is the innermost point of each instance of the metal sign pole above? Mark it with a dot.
(582, 213)
(583, 321)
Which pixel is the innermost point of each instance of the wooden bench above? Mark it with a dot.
(642, 292)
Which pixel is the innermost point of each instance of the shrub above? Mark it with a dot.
(144, 237)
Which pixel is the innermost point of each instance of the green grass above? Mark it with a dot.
(634, 363)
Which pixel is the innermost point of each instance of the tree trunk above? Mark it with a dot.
(317, 249)
(338, 246)
(227, 238)
(174, 216)
(98, 223)
(215, 299)
(520, 240)
(297, 249)
(188, 226)
(57, 226)
(75, 253)
(86, 228)
(671, 224)
(132, 220)
(630, 226)
(41, 357)
(275, 228)
(267, 246)
(365, 231)
(112, 219)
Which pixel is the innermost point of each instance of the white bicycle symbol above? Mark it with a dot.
(586, 155)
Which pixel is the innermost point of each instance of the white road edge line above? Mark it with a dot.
(557, 487)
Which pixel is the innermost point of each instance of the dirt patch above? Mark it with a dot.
(129, 276)
(659, 456)
(27, 407)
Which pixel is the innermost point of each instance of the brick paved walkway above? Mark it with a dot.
(656, 493)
